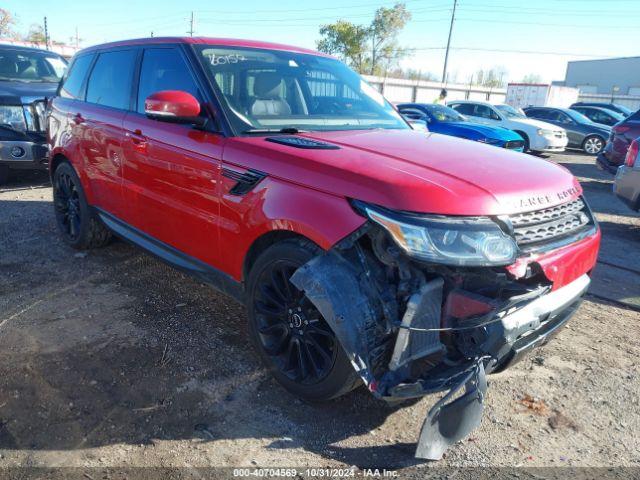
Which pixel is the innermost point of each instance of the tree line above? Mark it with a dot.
(374, 50)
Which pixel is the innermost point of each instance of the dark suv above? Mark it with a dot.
(364, 251)
(27, 77)
(622, 134)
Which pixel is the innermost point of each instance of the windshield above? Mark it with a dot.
(445, 114)
(26, 66)
(623, 109)
(510, 112)
(269, 90)
(577, 116)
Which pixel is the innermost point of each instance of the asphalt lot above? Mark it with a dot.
(111, 358)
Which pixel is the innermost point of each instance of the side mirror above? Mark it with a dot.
(173, 106)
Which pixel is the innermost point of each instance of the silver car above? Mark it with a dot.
(627, 183)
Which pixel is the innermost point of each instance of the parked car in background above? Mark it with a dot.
(609, 106)
(447, 121)
(627, 182)
(582, 133)
(600, 115)
(538, 136)
(27, 77)
(278, 175)
(622, 134)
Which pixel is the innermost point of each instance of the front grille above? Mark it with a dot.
(513, 144)
(549, 225)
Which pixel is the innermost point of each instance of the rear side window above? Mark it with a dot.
(164, 69)
(111, 78)
(536, 113)
(72, 86)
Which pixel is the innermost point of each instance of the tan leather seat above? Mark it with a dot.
(268, 101)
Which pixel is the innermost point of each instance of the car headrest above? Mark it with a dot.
(267, 85)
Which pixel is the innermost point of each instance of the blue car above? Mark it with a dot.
(447, 121)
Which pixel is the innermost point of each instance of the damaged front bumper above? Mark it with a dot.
(446, 333)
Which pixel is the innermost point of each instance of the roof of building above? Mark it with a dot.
(605, 59)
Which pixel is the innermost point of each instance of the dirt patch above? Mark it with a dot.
(115, 359)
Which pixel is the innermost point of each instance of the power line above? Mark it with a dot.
(505, 50)
(600, 26)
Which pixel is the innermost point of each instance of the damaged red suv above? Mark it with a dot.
(365, 252)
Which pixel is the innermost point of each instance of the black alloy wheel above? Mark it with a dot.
(66, 199)
(289, 333)
(290, 329)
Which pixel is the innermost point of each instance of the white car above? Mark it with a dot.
(538, 136)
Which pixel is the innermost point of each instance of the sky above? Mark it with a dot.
(518, 36)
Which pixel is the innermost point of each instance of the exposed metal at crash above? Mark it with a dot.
(412, 327)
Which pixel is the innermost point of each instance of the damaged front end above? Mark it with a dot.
(420, 313)
(23, 140)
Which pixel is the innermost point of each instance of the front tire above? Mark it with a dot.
(593, 144)
(78, 225)
(289, 333)
(525, 137)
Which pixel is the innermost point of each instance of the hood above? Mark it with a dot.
(498, 133)
(27, 92)
(413, 171)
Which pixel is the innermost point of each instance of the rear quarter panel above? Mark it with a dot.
(64, 139)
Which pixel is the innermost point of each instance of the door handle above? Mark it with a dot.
(78, 119)
(138, 139)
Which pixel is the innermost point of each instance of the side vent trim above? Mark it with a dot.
(246, 181)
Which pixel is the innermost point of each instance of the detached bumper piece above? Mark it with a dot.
(441, 337)
(448, 423)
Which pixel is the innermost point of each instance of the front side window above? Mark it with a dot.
(72, 86)
(31, 67)
(270, 90)
(164, 69)
(111, 79)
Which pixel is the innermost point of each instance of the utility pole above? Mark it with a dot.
(46, 34)
(190, 32)
(151, 33)
(77, 39)
(446, 54)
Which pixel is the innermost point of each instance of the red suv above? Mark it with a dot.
(365, 252)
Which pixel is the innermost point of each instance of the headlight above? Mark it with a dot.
(13, 117)
(461, 241)
(546, 133)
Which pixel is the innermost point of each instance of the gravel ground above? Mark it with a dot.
(112, 359)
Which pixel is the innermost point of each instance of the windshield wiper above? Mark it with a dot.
(288, 130)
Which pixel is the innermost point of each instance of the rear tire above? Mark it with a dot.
(593, 144)
(290, 335)
(79, 227)
(4, 174)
